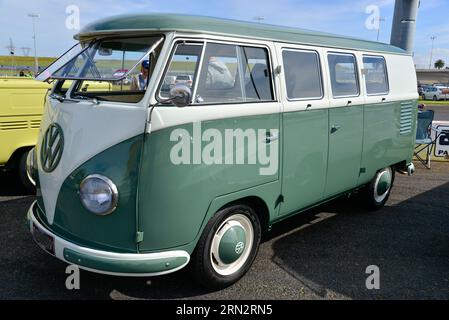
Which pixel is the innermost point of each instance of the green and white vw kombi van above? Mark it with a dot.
(233, 126)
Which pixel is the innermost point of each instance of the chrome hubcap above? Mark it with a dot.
(232, 244)
(382, 184)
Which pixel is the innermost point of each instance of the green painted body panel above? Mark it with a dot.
(174, 199)
(121, 266)
(305, 148)
(199, 24)
(345, 149)
(227, 248)
(383, 144)
(115, 232)
(171, 204)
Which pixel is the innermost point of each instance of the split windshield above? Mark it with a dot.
(103, 60)
(115, 69)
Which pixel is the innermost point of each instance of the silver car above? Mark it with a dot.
(435, 93)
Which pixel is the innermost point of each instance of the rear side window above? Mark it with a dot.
(343, 74)
(302, 75)
(376, 77)
(234, 74)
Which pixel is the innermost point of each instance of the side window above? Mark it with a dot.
(234, 74)
(257, 74)
(302, 75)
(343, 74)
(183, 67)
(375, 75)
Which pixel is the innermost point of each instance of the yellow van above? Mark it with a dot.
(21, 105)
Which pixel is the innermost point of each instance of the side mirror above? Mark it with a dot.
(180, 95)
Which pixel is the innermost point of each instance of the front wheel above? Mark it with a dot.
(379, 190)
(227, 247)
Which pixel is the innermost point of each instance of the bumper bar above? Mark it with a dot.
(105, 262)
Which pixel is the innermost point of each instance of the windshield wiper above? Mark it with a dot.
(57, 96)
(60, 97)
(93, 100)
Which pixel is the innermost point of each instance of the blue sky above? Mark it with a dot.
(346, 17)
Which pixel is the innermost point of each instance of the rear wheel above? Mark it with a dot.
(377, 193)
(435, 98)
(227, 247)
(22, 173)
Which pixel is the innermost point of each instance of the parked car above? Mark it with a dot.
(441, 85)
(435, 93)
(119, 73)
(422, 88)
(184, 79)
(168, 83)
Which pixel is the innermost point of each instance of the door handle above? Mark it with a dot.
(335, 128)
(271, 137)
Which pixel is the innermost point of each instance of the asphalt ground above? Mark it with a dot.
(319, 254)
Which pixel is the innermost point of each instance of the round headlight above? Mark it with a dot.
(98, 194)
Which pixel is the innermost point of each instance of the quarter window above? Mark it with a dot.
(302, 75)
(375, 75)
(234, 74)
(183, 67)
(343, 74)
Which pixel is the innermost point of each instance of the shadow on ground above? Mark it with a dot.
(10, 185)
(408, 242)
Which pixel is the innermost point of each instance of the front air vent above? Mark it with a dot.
(406, 118)
(13, 125)
(19, 125)
(35, 124)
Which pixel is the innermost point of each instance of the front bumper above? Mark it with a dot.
(119, 264)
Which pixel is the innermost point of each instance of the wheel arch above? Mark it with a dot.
(15, 157)
(258, 205)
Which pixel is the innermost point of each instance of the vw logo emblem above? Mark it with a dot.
(52, 146)
(239, 247)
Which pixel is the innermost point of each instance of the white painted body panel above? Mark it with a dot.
(88, 130)
(401, 75)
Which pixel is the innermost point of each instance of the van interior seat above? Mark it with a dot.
(259, 87)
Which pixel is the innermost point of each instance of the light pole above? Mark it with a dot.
(431, 51)
(12, 51)
(380, 19)
(36, 62)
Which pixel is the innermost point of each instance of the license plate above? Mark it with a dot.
(43, 240)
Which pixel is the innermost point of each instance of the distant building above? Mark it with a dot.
(432, 76)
